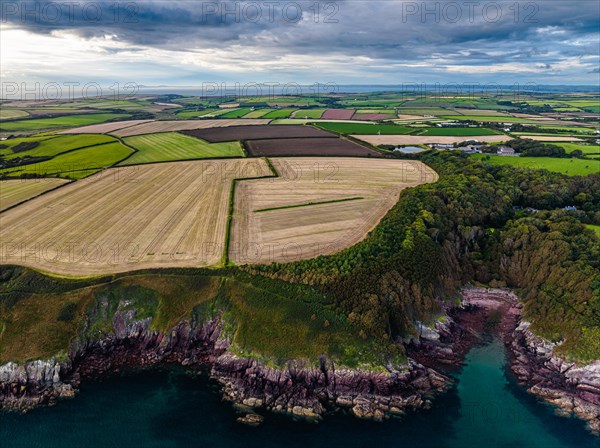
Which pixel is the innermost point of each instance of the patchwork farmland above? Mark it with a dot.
(236, 133)
(148, 216)
(317, 206)
(308, 147)
(138, 127)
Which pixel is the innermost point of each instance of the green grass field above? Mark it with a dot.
(364, 128)
(73, 165)
(586, 149)
(436, 111)
(52, 146)
(171, 146)
(460, 132)
(279, 113)
(572, 167)
(195, 113)
(236, 113)
(571, 129)
(7, 114)
(489, 118)
(258, 113)
(59, 122)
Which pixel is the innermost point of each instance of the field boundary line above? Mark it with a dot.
(231, 206)
(68, 182)
(307, 204)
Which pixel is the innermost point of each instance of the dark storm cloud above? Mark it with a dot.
(436, 32)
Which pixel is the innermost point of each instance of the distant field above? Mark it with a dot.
(104, 128)
(482, 112)
(234, 133)
(236, 113)
(280, 113)
(289, 232)
(373, 117)
(338, 114)
(308, 113)
(147, 216)
(257, 113)
(582, 130)
(459, 132)
(58, 122)
(195, 113)
(308, 147)
(586, 149)
(169, 146)
(359, 128)
(424, 139)
(490, 118)
(14, 191)
(572, 167)
(72, 164)
(551, 138)
(51, 146)
(182, 125)
(424, 111)
(6, 114)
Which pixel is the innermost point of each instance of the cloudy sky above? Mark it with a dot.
(179, 43)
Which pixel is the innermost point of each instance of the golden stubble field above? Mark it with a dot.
(366, 188)
(17, 190)
(122, 219)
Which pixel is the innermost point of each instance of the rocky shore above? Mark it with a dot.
(307, 391)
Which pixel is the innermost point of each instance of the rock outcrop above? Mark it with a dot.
(306, 391)
(575, 390)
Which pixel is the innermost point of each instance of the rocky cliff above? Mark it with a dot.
(308, 391)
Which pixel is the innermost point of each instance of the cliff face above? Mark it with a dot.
(574, 390)
(299, 389)
(307, 391)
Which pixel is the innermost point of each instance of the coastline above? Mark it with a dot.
(309, 392)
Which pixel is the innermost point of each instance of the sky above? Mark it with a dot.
(188, 43)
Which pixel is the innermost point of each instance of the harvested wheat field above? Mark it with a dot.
(184, 125)
(233, 133)
(318, 206)
(104, 128)
(18, 190)
(122, 219)
(551, 138)
(423, 139)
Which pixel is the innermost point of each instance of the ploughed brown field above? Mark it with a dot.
(128, 218)
(308, 147)
(292, 217)
(235, 133)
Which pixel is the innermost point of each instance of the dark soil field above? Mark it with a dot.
(337, 114)
(233, 133)
(307, 147)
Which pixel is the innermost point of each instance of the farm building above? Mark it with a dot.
(506, 151)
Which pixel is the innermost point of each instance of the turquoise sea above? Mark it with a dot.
(169, 408)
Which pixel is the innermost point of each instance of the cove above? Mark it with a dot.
(169, 408)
